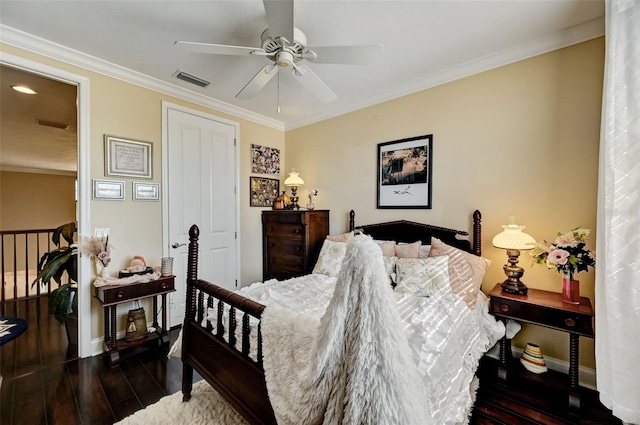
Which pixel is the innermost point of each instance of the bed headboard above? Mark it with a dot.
(409, 231)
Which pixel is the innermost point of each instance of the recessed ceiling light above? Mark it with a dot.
(24, 89)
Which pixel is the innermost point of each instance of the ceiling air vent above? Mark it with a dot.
(181, 75)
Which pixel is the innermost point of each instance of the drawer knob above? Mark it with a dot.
(272, 244)
(271, 229)
(271, 260)
(298, 248)
(504, 308)
(298, 231)
(164, 286)
(570, 322)
(120, 294)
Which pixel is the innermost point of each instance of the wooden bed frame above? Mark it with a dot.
(227, 366)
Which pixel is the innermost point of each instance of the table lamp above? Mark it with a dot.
(514, 240)
(294, 182)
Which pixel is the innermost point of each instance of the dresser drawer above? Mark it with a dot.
(283, 246)
(283, 230)
(289, 263)
(552, 318)
(116, 294)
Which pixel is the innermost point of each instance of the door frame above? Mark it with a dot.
(166, 106)
(84, 182)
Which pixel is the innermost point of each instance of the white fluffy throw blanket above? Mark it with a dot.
(355, 365)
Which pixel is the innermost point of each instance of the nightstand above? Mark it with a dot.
(544, 308)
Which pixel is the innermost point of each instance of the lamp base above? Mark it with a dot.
(516, 288)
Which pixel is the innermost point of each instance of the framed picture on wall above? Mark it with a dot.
(126, 157)
(404, 173)
(108, 190)
(265, 160)
(263, 192)
(143, 191)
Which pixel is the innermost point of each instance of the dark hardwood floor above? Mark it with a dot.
(45, 383)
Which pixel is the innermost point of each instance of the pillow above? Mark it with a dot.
(424, 251)
(423, 277)
(466, 270)
(388, 248)
(390, 267)
(346, 237)
(330, 258)
(408, 250)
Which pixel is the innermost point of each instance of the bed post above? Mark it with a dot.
(477, 231)
(190, 313)
(352, 220)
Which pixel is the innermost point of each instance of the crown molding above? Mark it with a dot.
(41, 46)
(561, 39)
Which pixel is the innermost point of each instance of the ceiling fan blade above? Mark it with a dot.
(349, 55)
(280, 18)
(217, 49)
(314, 84)
(258, 82)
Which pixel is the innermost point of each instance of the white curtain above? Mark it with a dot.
(618, 245)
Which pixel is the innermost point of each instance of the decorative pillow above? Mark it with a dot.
(390, 267)
(423, 277)
(330, 258)
(346, 237)
(388, 248)
(466, 270)
(408, 250)
(424, 251)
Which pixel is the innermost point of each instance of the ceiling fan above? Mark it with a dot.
(286, 46)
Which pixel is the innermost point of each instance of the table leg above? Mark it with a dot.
(505, 355)
(574, 362)
(114, 336)
(107, 336)
(165, 334)
(155, 312)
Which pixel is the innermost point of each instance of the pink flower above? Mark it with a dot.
(558, 256)
(566, 240)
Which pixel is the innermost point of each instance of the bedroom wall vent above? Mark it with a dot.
(184, 76)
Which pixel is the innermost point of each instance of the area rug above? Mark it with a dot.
(206, 407)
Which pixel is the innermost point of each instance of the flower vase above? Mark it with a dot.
(570, 290)
(102, 270)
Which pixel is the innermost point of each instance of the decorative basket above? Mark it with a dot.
(136, 325)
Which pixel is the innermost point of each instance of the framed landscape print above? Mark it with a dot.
(263, 192)
(404, 173)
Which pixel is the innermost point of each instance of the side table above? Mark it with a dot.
(544, 308)
(110, 296)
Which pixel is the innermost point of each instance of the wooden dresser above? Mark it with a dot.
(291, 241)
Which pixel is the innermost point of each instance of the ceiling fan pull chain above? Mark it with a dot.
(278, 92)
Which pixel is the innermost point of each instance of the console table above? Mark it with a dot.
(544, 308)
(110, 296)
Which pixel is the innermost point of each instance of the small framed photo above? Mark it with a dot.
(263, 192)
(108, 190)
(126, 157)
(404, 173)
(143, 191)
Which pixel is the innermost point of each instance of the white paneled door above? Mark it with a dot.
(201, 180)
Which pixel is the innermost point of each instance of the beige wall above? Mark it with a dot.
(126, 110)
(520, 140)
(36, 201)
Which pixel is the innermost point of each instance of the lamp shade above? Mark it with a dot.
(512, 237)
(293, 180)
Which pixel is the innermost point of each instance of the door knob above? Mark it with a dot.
(177, 245)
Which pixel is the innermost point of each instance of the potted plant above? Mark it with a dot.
(63, 303)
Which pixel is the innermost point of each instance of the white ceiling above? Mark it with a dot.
(426, 43)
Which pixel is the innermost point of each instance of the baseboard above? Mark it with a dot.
(587, 375)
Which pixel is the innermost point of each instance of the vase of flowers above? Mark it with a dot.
(312, 193)
(100, 250)
(568, 255)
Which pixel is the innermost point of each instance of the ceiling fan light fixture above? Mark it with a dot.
(284, 58)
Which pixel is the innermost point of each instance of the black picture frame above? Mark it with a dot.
(263, 191)
(405, 169)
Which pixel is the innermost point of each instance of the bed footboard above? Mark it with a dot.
(226, 363)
